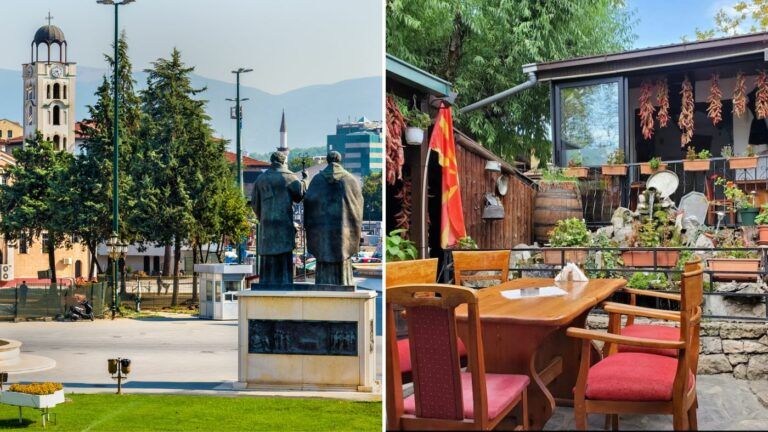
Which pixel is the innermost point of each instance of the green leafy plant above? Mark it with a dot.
(654, 163)
(399, 248)
(762, 218)
(466, 243)
(691, 154)
(606, 259)
(730, 238)
(577, 160)
(555, 174)
(750, 151)
(418, 119)
(704, 154)
(726, 152)
(647, 280)
(740, 199)
(569, 232)
(616, 158)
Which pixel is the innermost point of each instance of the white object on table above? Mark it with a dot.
(550, 291)
(571, 272)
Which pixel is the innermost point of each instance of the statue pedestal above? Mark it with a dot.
(306, 340)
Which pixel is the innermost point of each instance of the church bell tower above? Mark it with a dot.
(49, 89)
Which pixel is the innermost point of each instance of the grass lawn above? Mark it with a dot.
(102, 412)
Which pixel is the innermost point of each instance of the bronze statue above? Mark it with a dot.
(333, 216)
(274, 193)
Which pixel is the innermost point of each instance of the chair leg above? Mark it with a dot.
(680, 421)
(693, 423)
(614, 422)
(525, 424)
(580, 413)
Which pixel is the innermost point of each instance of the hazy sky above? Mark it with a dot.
(663, 22)
(288, 43)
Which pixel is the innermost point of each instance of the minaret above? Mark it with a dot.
(49, 89)
(283, 137)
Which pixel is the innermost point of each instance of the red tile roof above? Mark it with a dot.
(247, 161)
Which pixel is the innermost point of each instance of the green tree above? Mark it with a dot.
(372, 190)
(28, 202)
(744, 16)
(295, 164)
(481, 45)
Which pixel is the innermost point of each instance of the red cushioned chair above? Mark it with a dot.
(640, 382)
(414, 272)
(444, 397)
(648, 331)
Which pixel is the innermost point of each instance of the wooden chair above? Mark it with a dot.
(643, 383)
(445, 398)
(480, 261)
(423, 271)
(714, 204)
(652, 331)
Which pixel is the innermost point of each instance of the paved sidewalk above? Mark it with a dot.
(170, 355)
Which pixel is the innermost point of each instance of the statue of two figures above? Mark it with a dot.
(333, 215)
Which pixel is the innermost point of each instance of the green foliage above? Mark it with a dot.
(556, 174)
(616, 158)
(740, 199)
(418, 119)
(649, 280)
(742, 16)
(569, 232)
(372, 193)
(730, 238)
(576, 160)
(298, 163)
(762, 218)
(295, 153)
(654, 163)
(481, 45)
(726, 152)
(466, 243)
(399, 248)
(704, 154)
(607, 259)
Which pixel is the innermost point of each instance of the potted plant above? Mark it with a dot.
(571, 232)
(652, 166)
(615, 164)
(727, 261)
(657, 229)
(743, 203)
(696, 161)
(400, 248)
(762, 226)
(417, 123)
(33, 395)
(575, 167)
(747, 161)
(466, 243)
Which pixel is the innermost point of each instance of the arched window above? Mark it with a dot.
(48, 91)
(56, 115)
(56, 142)
(56, 93)
(65, 91)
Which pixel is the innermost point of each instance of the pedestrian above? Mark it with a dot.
(23, 289)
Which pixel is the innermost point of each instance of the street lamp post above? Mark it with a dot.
(238, 158)
(115, 150)
(116, 249)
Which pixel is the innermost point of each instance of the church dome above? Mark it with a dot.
(49, 34)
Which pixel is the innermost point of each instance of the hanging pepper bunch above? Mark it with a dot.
(403, 217)
(715, 108)
(761, 98)
(740, 95)
(646, 109)
(685, 121)
(395, 127)
(662, 98)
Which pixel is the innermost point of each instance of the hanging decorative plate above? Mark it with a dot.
(665, 182)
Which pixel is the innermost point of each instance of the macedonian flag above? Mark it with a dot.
(452, 215)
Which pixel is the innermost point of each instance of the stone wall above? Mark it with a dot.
(737, 348)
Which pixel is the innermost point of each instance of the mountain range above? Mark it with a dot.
(311, 112)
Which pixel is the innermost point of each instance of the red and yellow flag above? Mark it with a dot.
(452, 215)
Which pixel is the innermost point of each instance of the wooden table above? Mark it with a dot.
(527, 336)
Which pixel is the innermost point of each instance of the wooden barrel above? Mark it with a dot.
(554, 201)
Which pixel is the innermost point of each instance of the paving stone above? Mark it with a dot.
(760, 389)
(757, 368)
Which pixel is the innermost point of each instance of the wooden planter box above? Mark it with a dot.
(696, 165)
(645, 258)
(721, 267)
(645, 168)
(762, 235)
(30, 400)
(553, 257)
(747, 162)
(614, 170)
(578, 172)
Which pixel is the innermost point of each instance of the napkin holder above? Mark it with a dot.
(571, 273)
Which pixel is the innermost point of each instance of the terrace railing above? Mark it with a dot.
(522, 267)
(601, 195)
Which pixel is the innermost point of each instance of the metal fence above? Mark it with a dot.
(601, 195)
(526, 268)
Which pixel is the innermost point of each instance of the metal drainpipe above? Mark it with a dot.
(532, 80)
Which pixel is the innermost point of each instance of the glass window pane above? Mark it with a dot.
(589, 121)
(209, 290)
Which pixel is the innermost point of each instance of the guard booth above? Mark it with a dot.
(218, 284)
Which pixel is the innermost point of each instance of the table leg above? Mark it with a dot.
(21, 418)
(559, 345)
